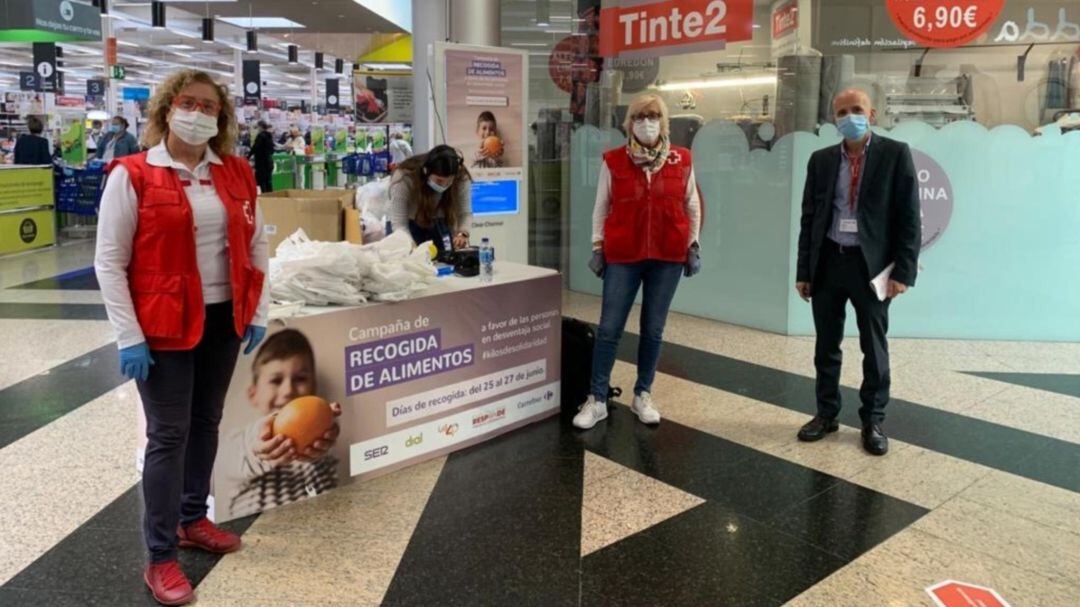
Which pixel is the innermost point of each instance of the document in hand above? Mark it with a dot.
(880, 283)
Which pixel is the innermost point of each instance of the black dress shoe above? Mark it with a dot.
(817, 428)
(874, 440)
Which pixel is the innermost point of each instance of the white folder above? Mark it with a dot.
(881, 282)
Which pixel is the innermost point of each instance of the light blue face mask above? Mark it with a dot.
(114, 128)
(438, 188)
(854, 126)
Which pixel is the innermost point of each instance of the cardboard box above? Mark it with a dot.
(354, 230)
(318, 212)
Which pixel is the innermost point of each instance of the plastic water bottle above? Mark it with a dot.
(487, 260)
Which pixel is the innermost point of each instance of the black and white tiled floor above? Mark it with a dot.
(719, 505)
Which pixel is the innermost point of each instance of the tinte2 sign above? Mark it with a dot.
(637, 28)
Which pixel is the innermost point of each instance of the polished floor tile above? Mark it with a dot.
(1061, 383)
(1028, 499)
(36, 401)
(626, 501)
(82, 279)
(1047, 413)
(920, 476)
(707, 555)
(896, 574)
(34, 347)
(58, 477)
(1023, 543)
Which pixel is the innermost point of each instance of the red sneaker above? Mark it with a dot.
(209, 537)
(168, 583)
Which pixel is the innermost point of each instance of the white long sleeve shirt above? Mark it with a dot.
(118, 221)
(602, 208)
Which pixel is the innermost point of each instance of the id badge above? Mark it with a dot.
(849, 226)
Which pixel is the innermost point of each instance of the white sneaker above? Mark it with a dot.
(591, 412)
(644, 409)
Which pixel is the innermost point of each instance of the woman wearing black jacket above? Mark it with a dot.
(33, 148)
(263, 153)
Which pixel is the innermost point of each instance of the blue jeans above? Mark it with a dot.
(621, 283)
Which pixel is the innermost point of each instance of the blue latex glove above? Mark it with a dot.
(135, 362)
(253, 337)
(598, 264)
(693, 262)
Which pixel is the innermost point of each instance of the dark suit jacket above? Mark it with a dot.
(32, 149)
(890, 226)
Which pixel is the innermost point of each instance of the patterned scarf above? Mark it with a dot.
(650, 159)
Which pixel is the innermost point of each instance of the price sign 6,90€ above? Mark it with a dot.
(944, 23)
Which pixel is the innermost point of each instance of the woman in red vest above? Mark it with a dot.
(182, 260)
(645, 233)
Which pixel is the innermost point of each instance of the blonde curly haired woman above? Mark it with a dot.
(182, 259)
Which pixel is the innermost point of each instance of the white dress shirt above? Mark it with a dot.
(118, 222)
(602, 208)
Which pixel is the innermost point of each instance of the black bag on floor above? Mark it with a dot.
(578, 340)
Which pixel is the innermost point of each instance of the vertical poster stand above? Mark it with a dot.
(472, 85)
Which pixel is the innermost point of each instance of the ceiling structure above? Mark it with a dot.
(339, 28)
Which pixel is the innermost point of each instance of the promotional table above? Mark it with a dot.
(456, 365)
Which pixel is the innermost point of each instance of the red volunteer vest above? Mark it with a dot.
(164, 274)
(648, 218)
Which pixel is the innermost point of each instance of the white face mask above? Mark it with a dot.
(193, 127)
(647, 130)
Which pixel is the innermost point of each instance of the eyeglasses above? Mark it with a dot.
(190, 104)
(648, 116)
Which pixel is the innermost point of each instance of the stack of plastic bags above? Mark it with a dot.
(324, 273)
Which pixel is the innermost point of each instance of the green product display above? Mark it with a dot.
(73, 141)
(22, 187)
(283, 177)
(341, 141)
(318, 140)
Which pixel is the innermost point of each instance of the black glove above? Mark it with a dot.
(597, 263)
(693, 261)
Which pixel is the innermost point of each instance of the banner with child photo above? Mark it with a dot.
(347, 393)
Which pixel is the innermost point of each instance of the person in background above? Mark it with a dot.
(852, 231)
(296, 142)
(262, 151)
(33, 148)
(118, 142)
(645, 236)
(93, 137)
(400, 150)
(182, 261)
(431, 196)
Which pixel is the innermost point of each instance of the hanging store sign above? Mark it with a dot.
(944, 23)
(674, 26)
(95, 88)
(333, 96)
(252, 82)
(45, 66)
(29, 81)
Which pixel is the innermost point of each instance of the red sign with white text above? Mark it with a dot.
(944, 23)
(959, 594)
(674, 26)
(785, 19)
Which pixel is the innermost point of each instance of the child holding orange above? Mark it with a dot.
(267, 470)
(489, 154)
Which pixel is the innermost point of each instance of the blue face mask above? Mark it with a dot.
(114, 128)
(438, 188)
(854, 126)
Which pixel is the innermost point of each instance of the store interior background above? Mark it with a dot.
(1009, 243)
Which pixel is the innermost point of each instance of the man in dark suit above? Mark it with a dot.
(860, 221)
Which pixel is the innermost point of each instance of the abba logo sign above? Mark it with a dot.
(636, 28)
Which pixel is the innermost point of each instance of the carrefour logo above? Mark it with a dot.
(67, 11)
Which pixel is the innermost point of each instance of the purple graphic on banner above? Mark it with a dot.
(388, 362)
